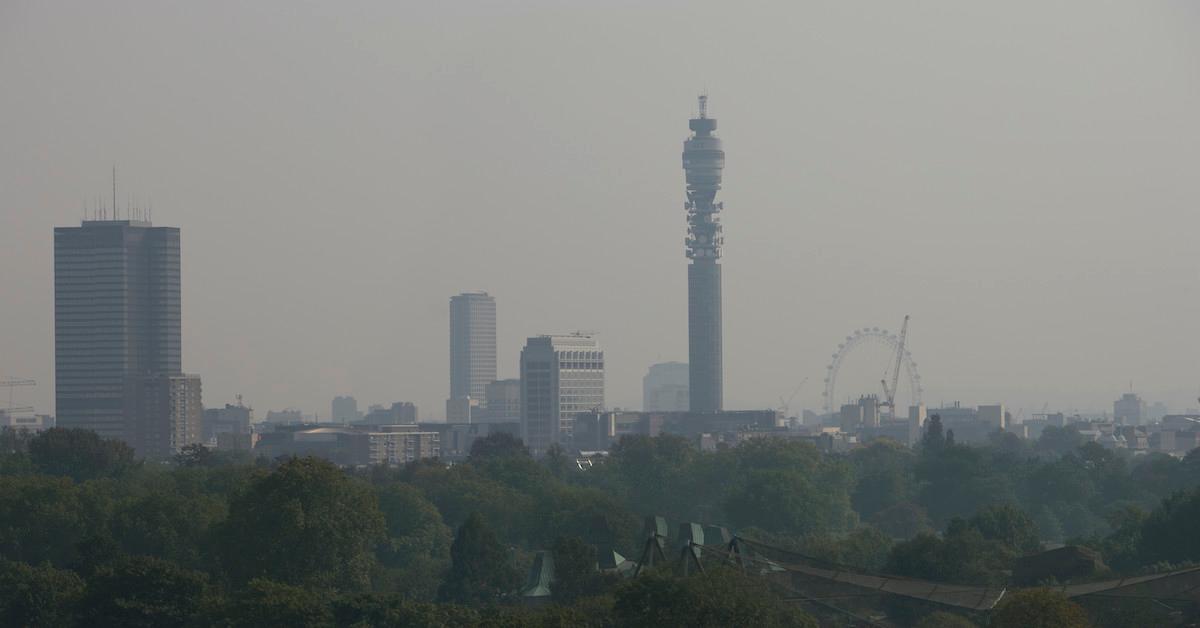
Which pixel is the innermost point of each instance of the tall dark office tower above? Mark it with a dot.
(472, 344)
(116, 325)
(703, 160)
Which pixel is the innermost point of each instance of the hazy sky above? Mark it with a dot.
(1021, 177)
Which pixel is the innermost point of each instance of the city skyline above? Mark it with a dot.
(1040, 264)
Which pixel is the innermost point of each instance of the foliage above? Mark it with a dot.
(1169, 532)
(266, 604)
(575, 572)
(480, 571)
(1038, 608)
(416, 552)
(44, 518)
(37, 596)
(220, 539)
(942, 619)
(717, 598)
(79, 454)
(902, 521)
(392, 610)
(497, 445)
(305, 523)
(1009, 525)
(144, 591)
(978, 550)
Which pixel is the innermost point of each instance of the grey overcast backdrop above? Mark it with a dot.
(1021, 177)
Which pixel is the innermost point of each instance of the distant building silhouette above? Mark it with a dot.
(400, 413)
(1129, 409)
(665, 388)
(703, 162)
(472, 344)
(171, 416)
(344, 409)
(117, 333)
(228, 420)
(503, 401)
(561, 377)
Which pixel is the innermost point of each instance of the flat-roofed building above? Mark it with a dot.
(561, 377)
(116, 322)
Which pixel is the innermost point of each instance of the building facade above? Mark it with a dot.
(228, 420)
(472, 344)
(502, 402)
(344, 409)
(400, 413)
(665, 388)
(1129, 409)
(561, 377)
(171, 416)
(116, 322)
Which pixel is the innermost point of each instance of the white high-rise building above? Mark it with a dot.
(561, 377)
(472, 344)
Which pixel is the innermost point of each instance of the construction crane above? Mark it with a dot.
(889, 392)
(783, 404)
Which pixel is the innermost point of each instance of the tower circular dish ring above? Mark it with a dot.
(858, 338)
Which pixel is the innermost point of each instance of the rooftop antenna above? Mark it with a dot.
(114, 191)
(703, 105)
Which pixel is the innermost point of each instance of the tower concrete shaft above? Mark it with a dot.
(703, 161)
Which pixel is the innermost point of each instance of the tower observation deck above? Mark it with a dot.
(703, 161)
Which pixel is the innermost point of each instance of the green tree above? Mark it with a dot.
(417, 547)
(463, 489)
(1038, 608)
(934, 439)
(1059, 441)
(963, 556)
(375, 610)
(37, 596)
(942, 619)
(497, 445)
(169, 524)
(1169, 532)
(1009, 525)
(14, 440)
(44, 518)
(79, 454)
(480, 569)
(575, 573)
(558, 461)
(885, 478)
(789, 502)
(144, 591)
(716, 598)
(305, 523)
(902, 521)
(266, 604)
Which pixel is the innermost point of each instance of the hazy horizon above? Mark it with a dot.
(1020, 178)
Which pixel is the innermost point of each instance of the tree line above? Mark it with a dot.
(90, 534)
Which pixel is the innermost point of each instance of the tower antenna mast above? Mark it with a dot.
(114, 191)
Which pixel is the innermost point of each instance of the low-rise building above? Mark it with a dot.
(31, 422)
(353, 445)
(228, 420)
(171, 415)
